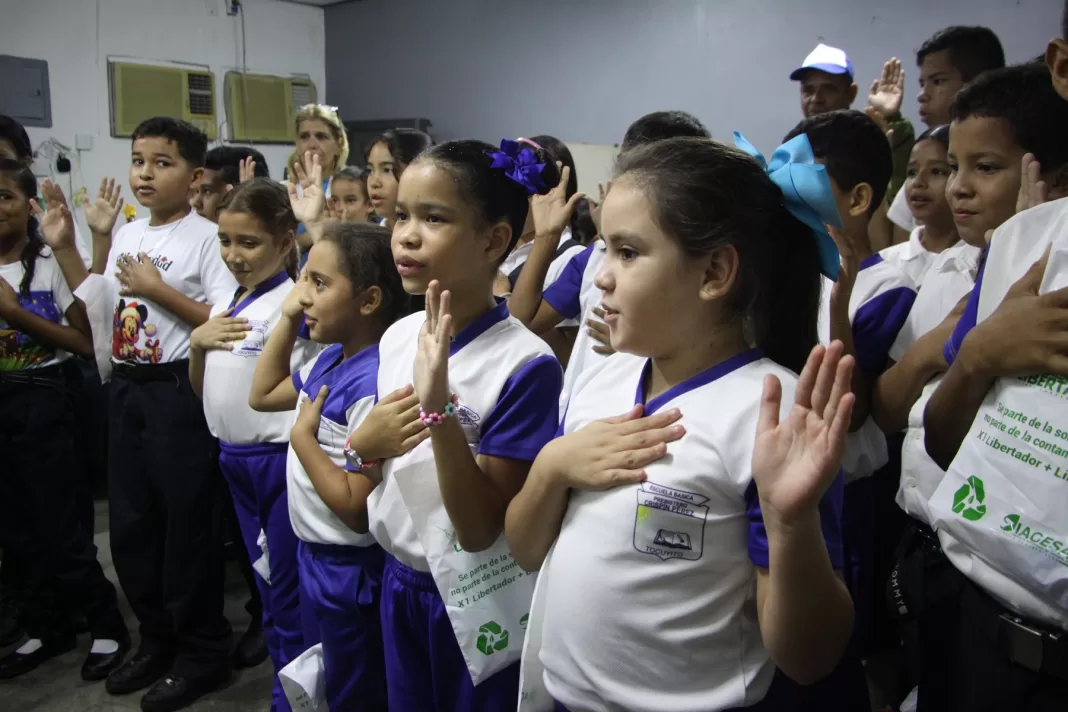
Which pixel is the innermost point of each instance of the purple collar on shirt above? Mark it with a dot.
(261, 289)
(479, 326)
(870, 262)
(702, 379)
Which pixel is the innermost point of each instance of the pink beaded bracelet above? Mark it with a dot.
(430, 419)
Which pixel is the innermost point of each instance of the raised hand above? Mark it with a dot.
(552, 211)
(598, 331)
(309, 205)
(880, 121)
(101, 213)
(1032, 188)
(595, 208)
(614, 451)
(138, 277)
(219, 333)
(56, 221)
(391, 429)
(431, 372)
(888, 90)
(795, 461)
(291, 305)
(246, 169)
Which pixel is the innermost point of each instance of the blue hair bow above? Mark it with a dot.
(521, 165)
(806, 192)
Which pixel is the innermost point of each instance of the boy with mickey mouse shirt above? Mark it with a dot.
(162, 458)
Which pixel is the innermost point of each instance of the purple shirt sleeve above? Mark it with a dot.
(830, 523)
(966, 322)
(876, 324)
(527, 412)
(563, 294)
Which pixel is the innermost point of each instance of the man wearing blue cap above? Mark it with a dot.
(827, 84)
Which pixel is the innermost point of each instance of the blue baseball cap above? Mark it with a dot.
(826, 59)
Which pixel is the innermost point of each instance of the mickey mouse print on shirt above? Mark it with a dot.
(133, 334)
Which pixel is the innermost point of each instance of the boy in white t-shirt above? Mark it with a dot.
(163, 477)
(1011, 628)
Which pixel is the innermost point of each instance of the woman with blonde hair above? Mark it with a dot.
(321, 141)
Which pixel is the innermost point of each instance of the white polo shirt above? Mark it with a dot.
(351, 397)
(1015, 246)
(950, 277)
(508, 385)
(228, 374)
(574, 296)
(878, 306)
(49, 298)
(650, 590)
(186, 252)
(912, 257)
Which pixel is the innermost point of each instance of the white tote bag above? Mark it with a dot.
(1005, 495)
(487, 595)
(304, 681)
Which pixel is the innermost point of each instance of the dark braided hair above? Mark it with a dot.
(27, 185)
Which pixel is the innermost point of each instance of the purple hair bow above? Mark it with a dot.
(521, 165)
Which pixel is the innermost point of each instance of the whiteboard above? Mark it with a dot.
(594, 163)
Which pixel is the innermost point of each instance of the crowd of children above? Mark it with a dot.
(475, 432)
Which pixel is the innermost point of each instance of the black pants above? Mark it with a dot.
(40, 523)
(166, 515)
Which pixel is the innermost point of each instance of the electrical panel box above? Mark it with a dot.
(24, 91)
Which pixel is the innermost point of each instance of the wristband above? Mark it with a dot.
(357, 463)
(431, 419)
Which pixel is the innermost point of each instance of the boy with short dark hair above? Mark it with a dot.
(222, 173)
(163, 483)
(864, 310)
(948, 60)
(1012, 624)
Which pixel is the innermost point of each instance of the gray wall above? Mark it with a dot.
(582, 70)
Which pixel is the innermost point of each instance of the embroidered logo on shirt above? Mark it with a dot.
(669, 523)
(255, 338)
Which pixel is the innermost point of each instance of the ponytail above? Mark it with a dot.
(786, 305)
(30, 253)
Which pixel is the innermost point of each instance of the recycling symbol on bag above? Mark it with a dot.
(491, 638)
(968, 500)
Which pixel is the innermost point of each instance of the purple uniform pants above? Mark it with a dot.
(425, 669)
(340, 587)
(256, 474)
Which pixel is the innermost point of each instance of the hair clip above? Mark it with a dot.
(308, 107)
(520, 165)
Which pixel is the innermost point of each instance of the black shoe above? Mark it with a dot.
(10, 631)
(97, 666)
(175, 692)
(138, 672)
(14, 664)
(252, 648)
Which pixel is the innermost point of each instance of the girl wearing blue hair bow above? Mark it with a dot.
(686, 524)
(453, 601)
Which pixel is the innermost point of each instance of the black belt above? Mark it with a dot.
(49, 377)
(145, 372)
(1033, 646)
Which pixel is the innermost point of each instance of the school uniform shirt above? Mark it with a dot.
(521, 253)
(349, 400)
(49, 298)
(186, 253)
(650, 597)
(507, 382)
(228, 374)
(574, 296)
(912, 257)
(950, 277)
(878, 307)
(1015, 246)
(900, 214)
